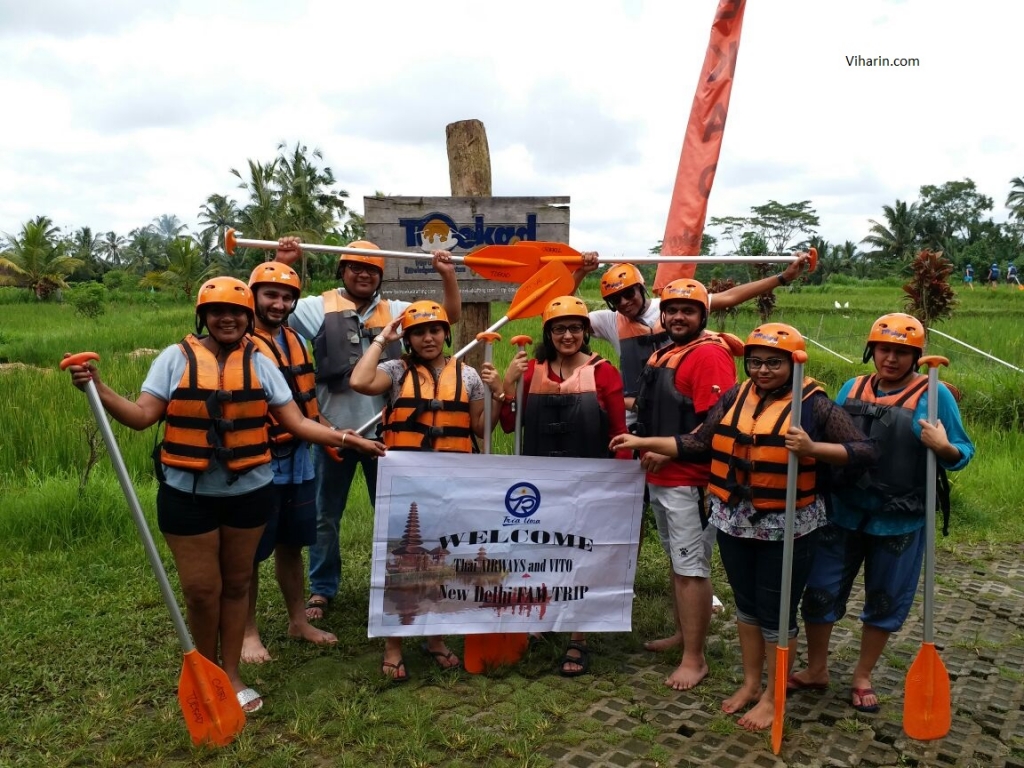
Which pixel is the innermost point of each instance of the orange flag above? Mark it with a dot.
(702, 144)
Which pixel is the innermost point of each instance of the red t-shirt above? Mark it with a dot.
(609, 394)
(706, 373)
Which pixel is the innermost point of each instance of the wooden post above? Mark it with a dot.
(469, 169)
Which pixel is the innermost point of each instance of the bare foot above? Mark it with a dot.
(253, 650)
(664, 644)
(686, 676)
(309, 633)
(760, 717)
(740, 699)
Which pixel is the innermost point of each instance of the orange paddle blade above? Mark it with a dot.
(212, 712)
(503, 263)
(781, 668)
(927, 710)
(557, 252)
(553, 280)
(481, 653)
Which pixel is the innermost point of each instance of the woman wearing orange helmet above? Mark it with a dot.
(216, 392)
(572, 406)
(749, 435)
(878, 522)
(432, 403)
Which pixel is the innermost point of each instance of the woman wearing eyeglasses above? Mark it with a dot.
(572, 406)
(749, 435)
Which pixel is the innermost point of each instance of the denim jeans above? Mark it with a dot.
(333, 483)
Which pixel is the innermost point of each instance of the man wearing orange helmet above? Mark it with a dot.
(749, 436)
(292, 525)
(631, 324)
(678, 385)
(341, 324)
(215, 393)
(879, 520)
(433, 403)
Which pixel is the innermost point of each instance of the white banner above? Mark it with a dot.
(467, 544)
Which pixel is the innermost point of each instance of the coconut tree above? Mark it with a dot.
(37, 258)
(893, 240)
(186, 268)
(111, 248)
(218, 213)
(1015, 200)
(168, 227)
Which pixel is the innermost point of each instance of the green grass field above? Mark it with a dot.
(90, 656)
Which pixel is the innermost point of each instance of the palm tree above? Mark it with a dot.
(311, 207)
(185, 266)
(36, 259)
(218, 213)
(85, 246)
(894, 240)
(146, 251)
(261, 218)
(111, 248)
(1015, 200)
(168, 227)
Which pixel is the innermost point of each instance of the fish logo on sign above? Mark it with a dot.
(521, 501)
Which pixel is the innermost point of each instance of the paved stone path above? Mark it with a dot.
(979, 626)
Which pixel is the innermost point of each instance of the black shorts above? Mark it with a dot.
(187, 514)
(293, 522)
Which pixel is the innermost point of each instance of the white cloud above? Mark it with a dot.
(118, 113)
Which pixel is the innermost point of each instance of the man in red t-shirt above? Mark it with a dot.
(678, 386)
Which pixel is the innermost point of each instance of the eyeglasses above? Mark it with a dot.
(360, 269)
(560, 330)
(625, 295)
(772, 363)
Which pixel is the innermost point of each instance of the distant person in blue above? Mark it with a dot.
(969, 276)
(1011, 275)
(877, 520)
(993, 276)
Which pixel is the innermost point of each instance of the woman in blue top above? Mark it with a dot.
(216, 492)
(879, 520)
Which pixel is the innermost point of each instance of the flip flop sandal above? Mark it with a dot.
(582, 661)
(440, 657)
(319, 603)
(861, 693)
(401, 675)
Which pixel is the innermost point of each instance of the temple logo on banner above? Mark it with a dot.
(464, 545)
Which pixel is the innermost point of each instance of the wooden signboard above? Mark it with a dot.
(457, 224)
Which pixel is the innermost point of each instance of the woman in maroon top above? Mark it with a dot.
(572, 401)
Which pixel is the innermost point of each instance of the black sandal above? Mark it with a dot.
(582, 661)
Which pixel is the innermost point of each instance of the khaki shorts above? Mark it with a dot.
(683, 528)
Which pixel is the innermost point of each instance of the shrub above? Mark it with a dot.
(88, 299)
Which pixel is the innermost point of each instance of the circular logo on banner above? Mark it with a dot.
(522, 499)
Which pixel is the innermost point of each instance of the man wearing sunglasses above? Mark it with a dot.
(342, 323)
(632, 325)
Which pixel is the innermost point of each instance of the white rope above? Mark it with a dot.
(975, 349)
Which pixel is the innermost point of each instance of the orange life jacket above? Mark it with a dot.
(297, 368)
(749, 459)
(565, 418)
(216, 414)
(338, 344)
(430, 415)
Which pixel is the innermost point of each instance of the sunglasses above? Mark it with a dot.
(616, 298)
(560, 330)
(756, 363)
(360, 269)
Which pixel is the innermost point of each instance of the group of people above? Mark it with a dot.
(992, 277)
(243, 401)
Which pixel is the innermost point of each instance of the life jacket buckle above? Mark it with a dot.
(435, 405)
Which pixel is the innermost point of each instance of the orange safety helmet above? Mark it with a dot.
(686, 289)
(224, 290)
(373, 261)
(423, 313)
(776, 335)
(275, 273)
(565, 306)
(619, 278)
(895, 328)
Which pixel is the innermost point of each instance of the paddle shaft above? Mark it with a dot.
(520, 386)
(140, 521)
(272, 245)
(792, 469)
(488, 400)
(931, 471)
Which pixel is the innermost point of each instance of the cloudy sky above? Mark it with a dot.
(116, 113)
